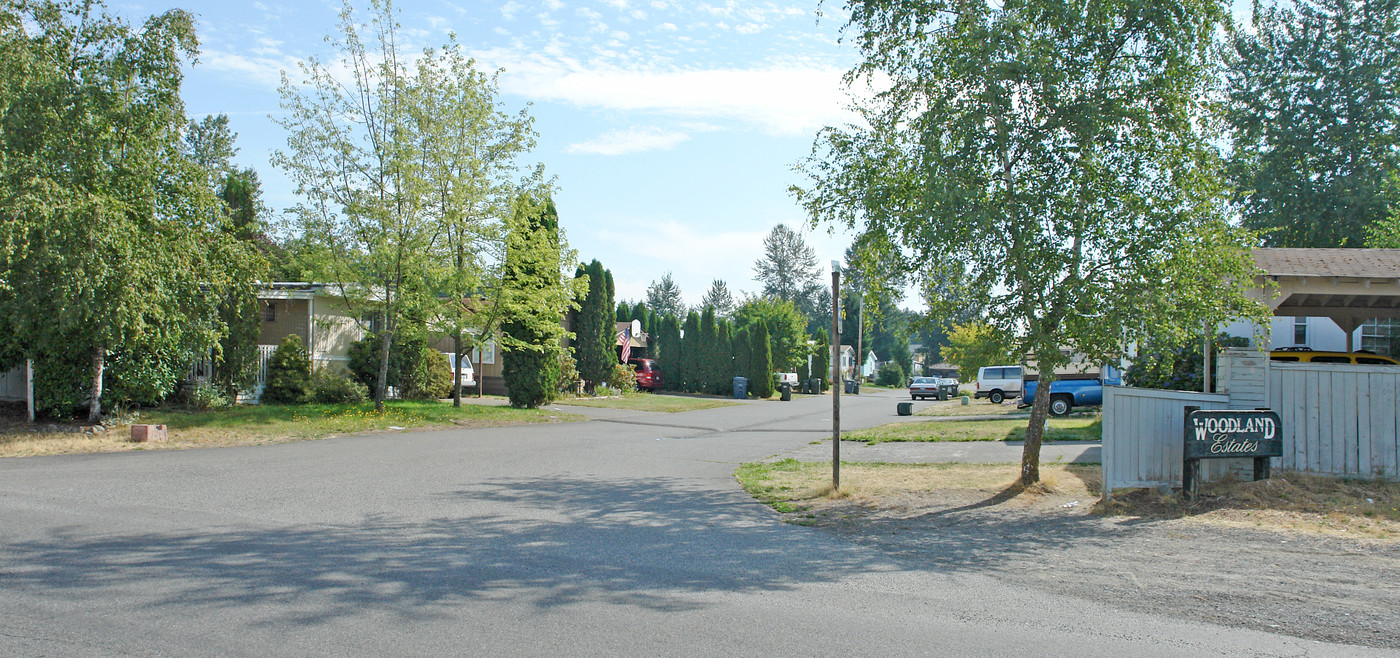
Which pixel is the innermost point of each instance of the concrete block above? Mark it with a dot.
(145, 433)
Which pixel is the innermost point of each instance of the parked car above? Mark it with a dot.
(997, 383)
(790, 378)
(941, 388)
(648, 374)
(1305, 355)
(1066, 394)
(468, 378)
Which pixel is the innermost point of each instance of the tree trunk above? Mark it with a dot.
(457, 369)
(383, 370)
(99, 355)
(1035, 431)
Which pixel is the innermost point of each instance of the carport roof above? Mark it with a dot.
(1347, 263)
(1350, 286)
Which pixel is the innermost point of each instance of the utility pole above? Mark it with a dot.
(835, 376)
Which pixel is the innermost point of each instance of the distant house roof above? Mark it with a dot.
(1348, 263)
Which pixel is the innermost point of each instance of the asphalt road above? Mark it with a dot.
(626, 535)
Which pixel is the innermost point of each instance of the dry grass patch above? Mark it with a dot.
(804, 488)
(263, 424)
(1288, 501)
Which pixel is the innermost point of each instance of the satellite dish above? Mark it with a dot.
(636, 327)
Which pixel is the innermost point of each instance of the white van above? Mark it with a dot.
(468, 372)
(997, 383)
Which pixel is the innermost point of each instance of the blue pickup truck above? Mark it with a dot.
(1066, 394)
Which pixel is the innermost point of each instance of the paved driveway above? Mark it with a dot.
(626, 535)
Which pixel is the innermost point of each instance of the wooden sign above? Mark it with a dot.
(1226, 433)
(1219, 433)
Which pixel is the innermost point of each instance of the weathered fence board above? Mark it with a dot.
(1339, 419)
(1143, 434)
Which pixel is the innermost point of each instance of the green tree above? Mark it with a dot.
(470, 147)
(788, 269)
(975, 345)
(1315, 114)
(709, 370)
(689, 359)
(1051, 148)
(113, 244)
(783, 325)
(760, 362)
(595, 339)
(664, 296)
(719, 297)
(362, 167)
(534, 297)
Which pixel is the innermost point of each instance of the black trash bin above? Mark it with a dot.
(741, 387)
(850, 386)
(787, 392)
(905, 408)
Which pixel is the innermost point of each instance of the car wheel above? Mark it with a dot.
(995, 397)
(1059, 406)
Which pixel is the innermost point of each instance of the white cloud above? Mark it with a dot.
(632, 140)
(669, 27)
(785, 100)
(616, 4)
(264, 70)
(509, 9)
(708, 252)
(553, 5)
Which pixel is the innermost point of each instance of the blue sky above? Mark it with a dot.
(672, 127)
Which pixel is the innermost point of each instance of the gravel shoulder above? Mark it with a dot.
(1217, 567)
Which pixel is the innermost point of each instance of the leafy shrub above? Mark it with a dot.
(425, 374)
(623, 378)
(890, 374)
(205, 396)
(568, 373)
(288, 373)
(331, 387)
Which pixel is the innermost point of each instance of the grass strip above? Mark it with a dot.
(1012, 429)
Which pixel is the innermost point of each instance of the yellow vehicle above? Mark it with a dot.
(1309, 356)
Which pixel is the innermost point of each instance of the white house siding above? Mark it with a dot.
(1322, 334)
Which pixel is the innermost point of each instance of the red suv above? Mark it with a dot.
(648, 374)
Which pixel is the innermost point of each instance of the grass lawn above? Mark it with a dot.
(658, 402)
(955, 407)
(270, 423)
(1011, 429)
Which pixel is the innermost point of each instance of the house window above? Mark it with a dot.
(1381, 335)
(270, 311)
(1300, 331)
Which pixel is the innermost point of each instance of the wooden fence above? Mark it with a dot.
(1142, 436)
(1338, 419)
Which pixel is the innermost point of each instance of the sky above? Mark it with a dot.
(672, 128)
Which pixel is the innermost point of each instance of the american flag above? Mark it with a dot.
(624, 338)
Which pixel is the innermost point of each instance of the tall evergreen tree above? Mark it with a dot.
(593, 327)
(664, 296)
(533, 299)
(689, 357)
(760, 362)
(719, 297)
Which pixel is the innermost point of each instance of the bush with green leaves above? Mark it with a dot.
(891, 374)
(204, 396)
(1176, 368)
(288, 373)
(568, 373)
(334, 387)
(425, 374)
(623, 378)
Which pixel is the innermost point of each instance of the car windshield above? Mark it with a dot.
(923, 380)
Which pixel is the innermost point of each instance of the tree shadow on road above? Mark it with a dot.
(655, 543)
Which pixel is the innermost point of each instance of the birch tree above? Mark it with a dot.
(361, 169)
(1054, 149)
